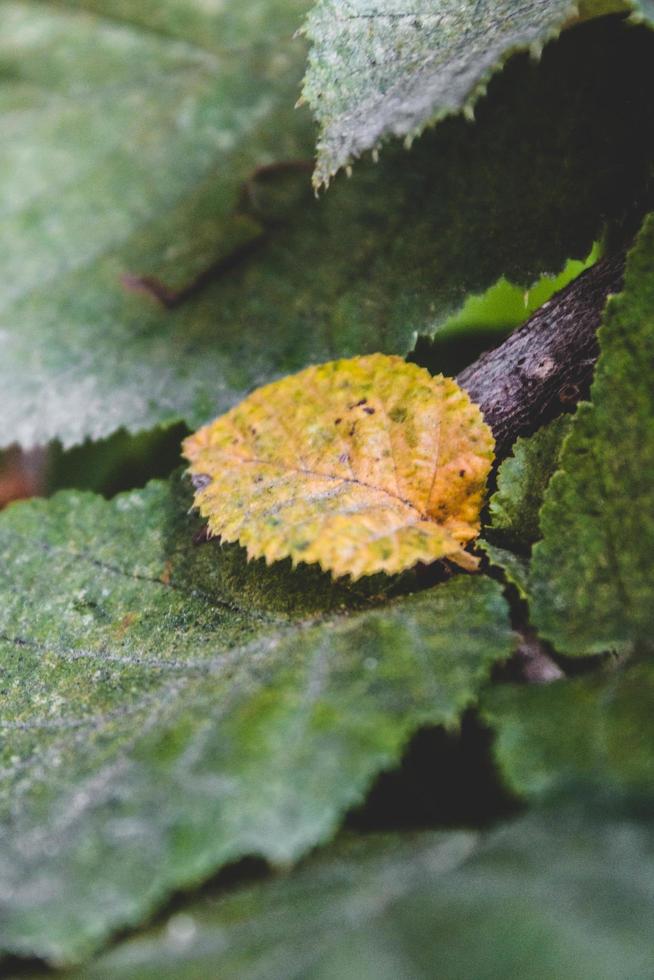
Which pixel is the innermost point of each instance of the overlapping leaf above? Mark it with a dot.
(514, 508)
(553, 895)
(390, 69)
(593, 733)
(361, 466)
(167, 708)
(522, 480)
(126, 157)
(592, 575)
(126, 128)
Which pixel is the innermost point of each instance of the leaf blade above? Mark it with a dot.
(588, 735)
(170, 708)
(362, 466)
(566, 894)
(591, 574)
(522, 481)
(380, 72)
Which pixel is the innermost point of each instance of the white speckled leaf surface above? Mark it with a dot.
(168, 708)
(383, 68)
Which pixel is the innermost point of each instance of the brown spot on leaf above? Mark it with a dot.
(128, 620)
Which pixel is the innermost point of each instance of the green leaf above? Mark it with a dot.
(514, 508)
(96, 192)
(522, 480)
(168, 708)
(202, 23)
(515, 567)
(384, 69)
(592, 575)
(559, 895)
(128, 131)
(593, 733)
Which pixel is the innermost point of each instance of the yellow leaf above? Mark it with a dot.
(364, 465)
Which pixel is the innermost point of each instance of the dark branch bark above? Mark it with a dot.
(547, 365)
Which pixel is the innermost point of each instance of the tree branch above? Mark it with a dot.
(547, 365)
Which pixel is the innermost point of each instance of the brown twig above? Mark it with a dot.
(546, 366)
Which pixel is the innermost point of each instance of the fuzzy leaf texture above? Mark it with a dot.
(592, 734)
(361, 466)
(522, 480)
(592, 575)
(124, 126)
(566, 894)
(93, 194)
(382, 68)
(514, 508)
(168, 708)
